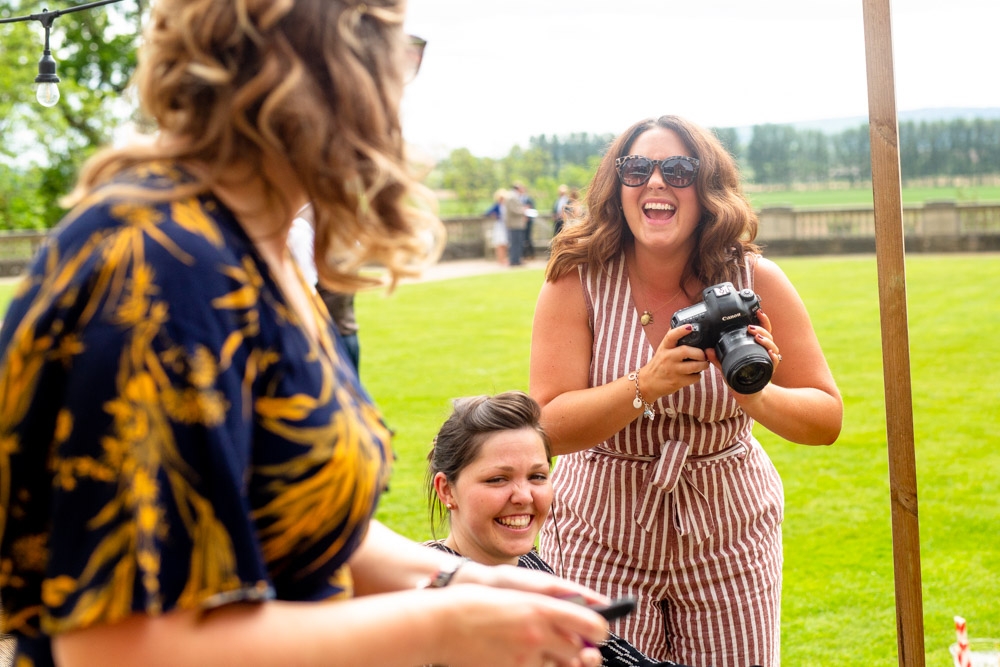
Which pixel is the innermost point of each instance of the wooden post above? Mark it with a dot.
(889, 250)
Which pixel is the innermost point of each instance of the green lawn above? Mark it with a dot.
(430, 342)
(863, 196)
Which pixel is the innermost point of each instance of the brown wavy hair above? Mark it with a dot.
(311, 84)
(725, 233)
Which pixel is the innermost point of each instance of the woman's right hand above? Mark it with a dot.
(672, 367)
(507, 627)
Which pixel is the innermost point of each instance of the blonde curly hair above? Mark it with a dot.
(314, 84)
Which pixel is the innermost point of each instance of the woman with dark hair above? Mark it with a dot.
(664, 493)
(488, 476)
(189, 465)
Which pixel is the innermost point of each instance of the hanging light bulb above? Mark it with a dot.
(47, 92)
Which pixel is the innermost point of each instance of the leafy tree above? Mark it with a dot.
(730, 139)
(811, 156)
(852, 155)
(472, 179)
(769, 153)
(95, 54)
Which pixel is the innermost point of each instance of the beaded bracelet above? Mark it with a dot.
(639, 401)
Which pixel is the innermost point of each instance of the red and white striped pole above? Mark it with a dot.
(962, 657)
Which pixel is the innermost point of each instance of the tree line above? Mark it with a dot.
(773, 154)
(41, 149)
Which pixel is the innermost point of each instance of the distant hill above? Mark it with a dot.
(838, 125)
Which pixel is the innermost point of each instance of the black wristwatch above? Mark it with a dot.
(444, 576)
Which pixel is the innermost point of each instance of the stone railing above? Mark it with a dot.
(17, 249)
(936, 226)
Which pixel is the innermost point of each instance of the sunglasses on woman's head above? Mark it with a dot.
(414, 56)
(677, 171)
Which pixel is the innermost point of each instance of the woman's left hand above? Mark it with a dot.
(762, 335)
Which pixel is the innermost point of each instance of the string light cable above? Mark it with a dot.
(47, 92)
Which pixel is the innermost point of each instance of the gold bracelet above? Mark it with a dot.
(639, 401)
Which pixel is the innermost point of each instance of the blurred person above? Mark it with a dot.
(665, 495)
(339, 305)
(558, 209)
(190, 465)
(574, 208)
(515, 222)
(499, 235)
(488, 476)
(530, 213)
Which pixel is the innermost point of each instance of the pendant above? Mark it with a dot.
(637, 403)
(646, 318)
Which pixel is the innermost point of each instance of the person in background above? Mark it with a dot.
(499, 235)
(665, 494)
(574, 208)
(515, 222)
(530, 213)
(339, 305)
(190, 470)
(488, 476)
(558, 209)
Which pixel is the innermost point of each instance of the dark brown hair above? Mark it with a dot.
(462, 435)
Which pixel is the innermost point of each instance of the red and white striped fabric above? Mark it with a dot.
(682, 511)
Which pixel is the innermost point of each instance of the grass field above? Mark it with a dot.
(863, 196)
(430, 342)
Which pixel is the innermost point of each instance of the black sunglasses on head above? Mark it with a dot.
(677, 171)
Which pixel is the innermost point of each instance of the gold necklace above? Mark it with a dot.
(647, 315)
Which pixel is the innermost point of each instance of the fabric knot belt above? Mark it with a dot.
(671, 476)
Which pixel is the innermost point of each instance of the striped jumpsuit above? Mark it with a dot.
(682, 511)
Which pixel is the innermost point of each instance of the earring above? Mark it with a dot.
(450, 506)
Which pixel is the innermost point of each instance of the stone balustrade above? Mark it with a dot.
(935, 226)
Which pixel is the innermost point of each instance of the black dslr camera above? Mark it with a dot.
(720, 321)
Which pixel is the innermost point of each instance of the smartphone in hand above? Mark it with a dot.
(615, 609)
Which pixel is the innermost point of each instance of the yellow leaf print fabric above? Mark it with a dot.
(169, 437)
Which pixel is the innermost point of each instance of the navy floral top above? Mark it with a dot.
(170, 438)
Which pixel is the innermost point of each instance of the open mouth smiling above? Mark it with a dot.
(515, 521)
(657, 210)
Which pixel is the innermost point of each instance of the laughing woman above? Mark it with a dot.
(665, 494)
(489, 473)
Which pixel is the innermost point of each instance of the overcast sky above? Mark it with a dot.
(497, 73)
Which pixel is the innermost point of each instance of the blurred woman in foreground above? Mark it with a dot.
(189, 465)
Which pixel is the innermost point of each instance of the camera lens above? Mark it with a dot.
(745, 364)
(750, 377)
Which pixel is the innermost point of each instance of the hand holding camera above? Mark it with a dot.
(720, 322)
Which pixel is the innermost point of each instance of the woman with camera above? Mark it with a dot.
(664, 494)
